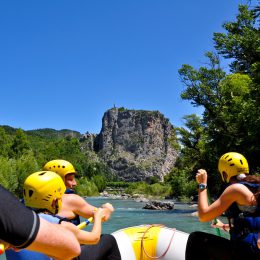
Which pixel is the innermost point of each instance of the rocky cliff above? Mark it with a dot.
(135, 144)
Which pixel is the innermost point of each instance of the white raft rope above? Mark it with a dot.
(166, 250)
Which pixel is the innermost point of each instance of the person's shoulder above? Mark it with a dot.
(237, 188)
(234, 188)
(71, 198)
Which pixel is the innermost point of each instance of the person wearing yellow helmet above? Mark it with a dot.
(232, 164)
(240, 202)
(21, 228)
(66, 171)
(74, 206)
(43, 193)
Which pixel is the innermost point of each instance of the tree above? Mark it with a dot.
(20, 144)
(25, 165)
(192, 142)
(181, 184)
(231, 114)
(241, 41)
(5, 143)
(202, 89)
(100, 182)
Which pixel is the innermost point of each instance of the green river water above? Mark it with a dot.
(130, 213)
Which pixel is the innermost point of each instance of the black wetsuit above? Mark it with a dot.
(205, 246)
(18, 224)
(106, 249)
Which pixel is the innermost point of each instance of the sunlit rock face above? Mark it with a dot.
(135, 144)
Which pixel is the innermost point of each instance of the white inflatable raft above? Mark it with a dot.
(147, 242)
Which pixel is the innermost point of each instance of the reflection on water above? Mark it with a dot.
(130, 213)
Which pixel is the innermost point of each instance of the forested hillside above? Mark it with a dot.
(24, 152)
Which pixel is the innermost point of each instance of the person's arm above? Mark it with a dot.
(85, 237)
(108, 209)
(73, 204)
(221, 225)
(208, 212)
(56, 241)
(20, 228)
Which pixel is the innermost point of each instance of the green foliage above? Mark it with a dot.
(193, 141)
(180, 182)
(20, 144)
(86, 188)
(118, 184)
(48, 133)
(156, 189)
(5, 143)
(14, 172)
(241, 41)
(153, 180)
(25, 165)
(25, 152)
(202, 84)
(8, 177)
(173, 140)
(100, 182)
(121, 109)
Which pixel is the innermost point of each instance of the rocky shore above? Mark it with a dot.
(151, 203)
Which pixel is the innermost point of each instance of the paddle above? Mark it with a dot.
(80, 226)
(85, 223)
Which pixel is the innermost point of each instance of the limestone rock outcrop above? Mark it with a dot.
(135, 144)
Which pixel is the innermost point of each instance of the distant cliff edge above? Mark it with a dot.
(135, 144)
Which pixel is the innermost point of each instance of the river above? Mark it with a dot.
(130, 213)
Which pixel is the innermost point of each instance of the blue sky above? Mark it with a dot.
(63, 63)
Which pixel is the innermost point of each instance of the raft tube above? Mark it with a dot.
(146, 242)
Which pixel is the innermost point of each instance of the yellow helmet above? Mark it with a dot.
(41, 189)
(61, 167)
(232, 164)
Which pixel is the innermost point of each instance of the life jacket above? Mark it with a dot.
(245, 221)
(50, 218)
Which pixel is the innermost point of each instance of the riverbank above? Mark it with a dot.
(152, 202)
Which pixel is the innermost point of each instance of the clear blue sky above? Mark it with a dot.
(63, 63)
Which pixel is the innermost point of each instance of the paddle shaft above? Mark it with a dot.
(85, 223)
